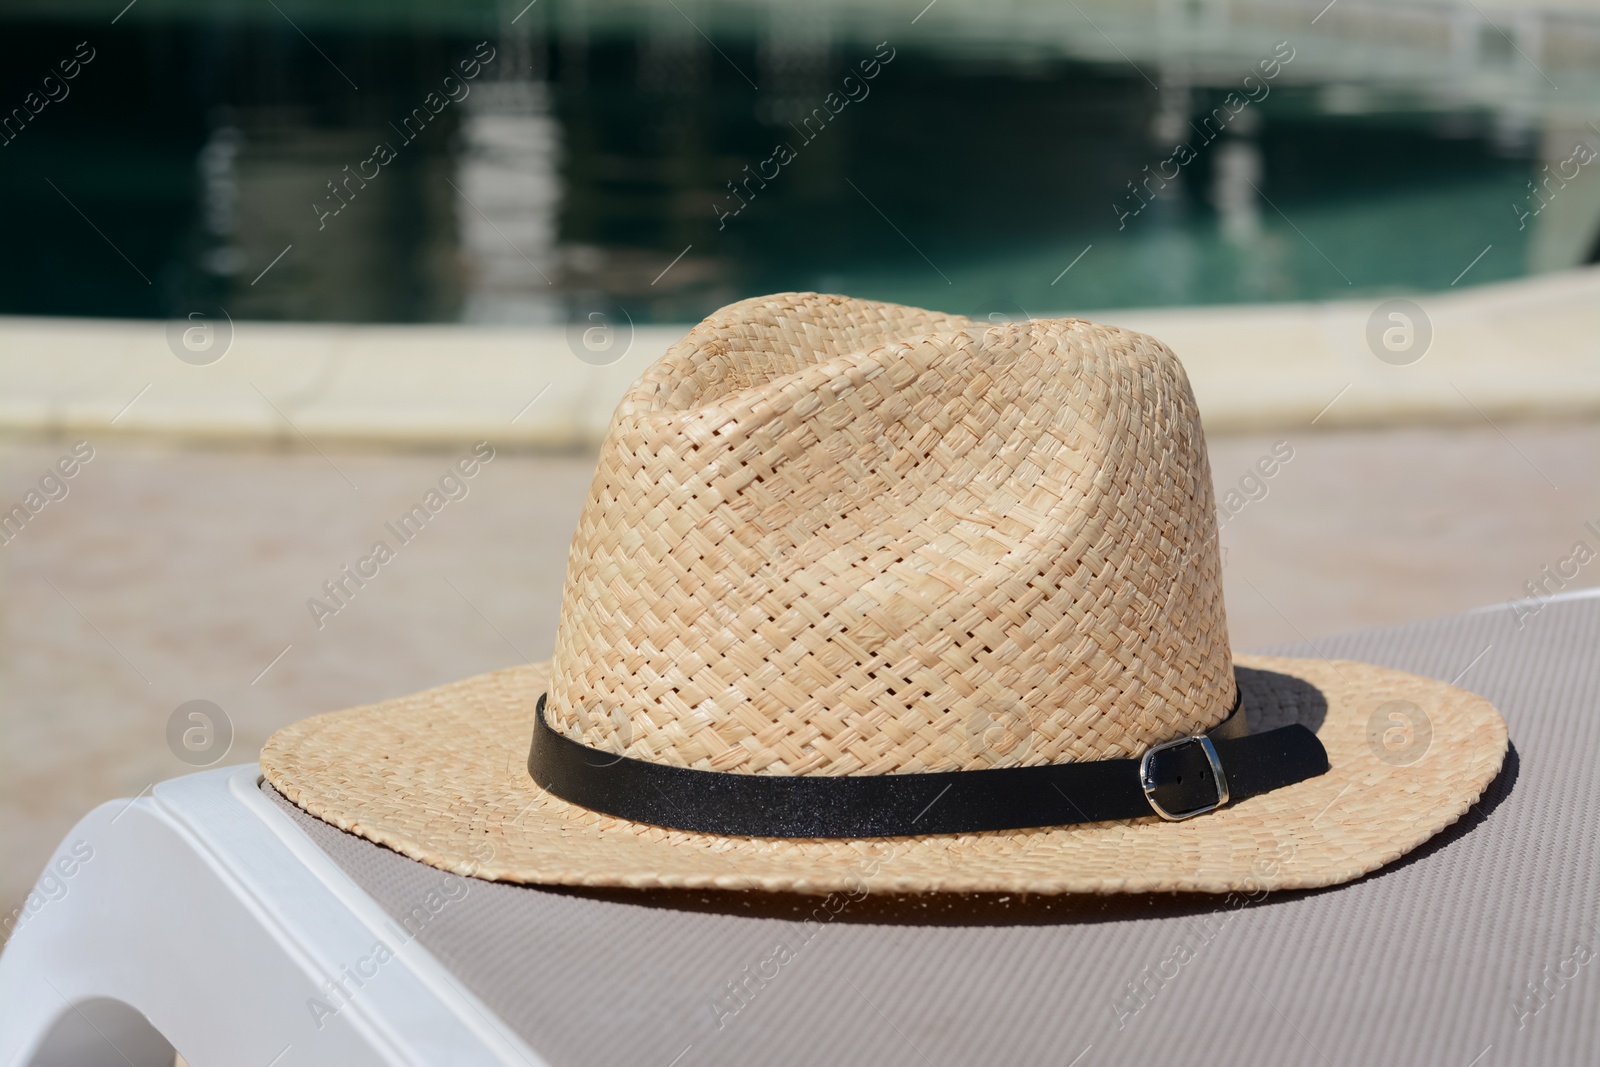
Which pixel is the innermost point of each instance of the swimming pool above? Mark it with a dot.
(535, 164)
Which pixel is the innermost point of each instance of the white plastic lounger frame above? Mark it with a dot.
(201, 918)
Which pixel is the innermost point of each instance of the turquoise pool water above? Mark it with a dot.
(487, 164)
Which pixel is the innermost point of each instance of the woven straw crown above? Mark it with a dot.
(830, 536)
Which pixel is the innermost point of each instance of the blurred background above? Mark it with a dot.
(597, 146)
(273, 265)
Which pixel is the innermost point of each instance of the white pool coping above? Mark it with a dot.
(1522, 349)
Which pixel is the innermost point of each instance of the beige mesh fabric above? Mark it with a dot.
(829, 536)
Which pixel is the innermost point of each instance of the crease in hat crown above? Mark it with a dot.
(832, 536)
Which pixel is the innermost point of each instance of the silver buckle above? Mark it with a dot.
(1149, 785)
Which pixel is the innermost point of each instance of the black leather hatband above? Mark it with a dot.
(1179, 780)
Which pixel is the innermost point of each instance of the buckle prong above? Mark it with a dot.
(1148, 784)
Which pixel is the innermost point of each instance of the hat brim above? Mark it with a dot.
(441, 776)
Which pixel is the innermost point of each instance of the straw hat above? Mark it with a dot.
(866, 597)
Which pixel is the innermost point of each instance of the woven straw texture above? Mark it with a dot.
(828, 536)
(439, 776)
